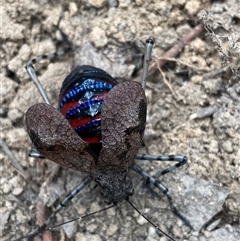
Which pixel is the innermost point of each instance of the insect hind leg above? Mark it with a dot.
(181, 160)
(153, 179)
(46, 226)
(150, 179)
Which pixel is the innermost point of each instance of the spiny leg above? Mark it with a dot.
(31, 71)
(74, 192)
(65, 201)
(150, 179)
(176, 158)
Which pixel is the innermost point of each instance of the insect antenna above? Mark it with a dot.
(146, 218)
(46, 226)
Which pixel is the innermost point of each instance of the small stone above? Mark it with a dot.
(236, 160)
(70, 228)
(10, 29)
(82, 237)
(97, 3)
(15, 63)
(8, 92)
(198, 45)
(227, 146)
(91, 228)
(213, 147)
(24, 52)
(15, 115)
(152, 234)
(21, 218)
(45, 47)
(6, 188)
(192, 7)
(112, 229)
(141, 220)
(178, 2)
(17, 191)
(16, 185)
(99, 36)
(112, 3)
(4, 218)
(124, 4)
(197, 79)
(73, 8)
(94, 207)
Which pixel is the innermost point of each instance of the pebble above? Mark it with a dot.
(17, 191)
(97, 3)
(82, 237)
(227, 146)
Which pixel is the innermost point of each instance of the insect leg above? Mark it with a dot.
(31, 71)
(150, 179)
(74, 192)
(177, 158)
(147, 58)
(46, 225)
(33, 76)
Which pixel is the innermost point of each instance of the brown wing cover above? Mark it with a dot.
(55, 139)
(123, 123)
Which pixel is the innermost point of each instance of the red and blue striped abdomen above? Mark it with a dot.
(81, 98)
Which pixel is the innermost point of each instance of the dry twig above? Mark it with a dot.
(13, 159)
(175, 50)
(164, 79)
(41, 209)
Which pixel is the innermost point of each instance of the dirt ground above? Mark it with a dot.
(193, 110)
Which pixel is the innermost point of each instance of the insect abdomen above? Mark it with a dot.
(81, 98)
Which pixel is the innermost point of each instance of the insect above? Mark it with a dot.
(98, 129)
